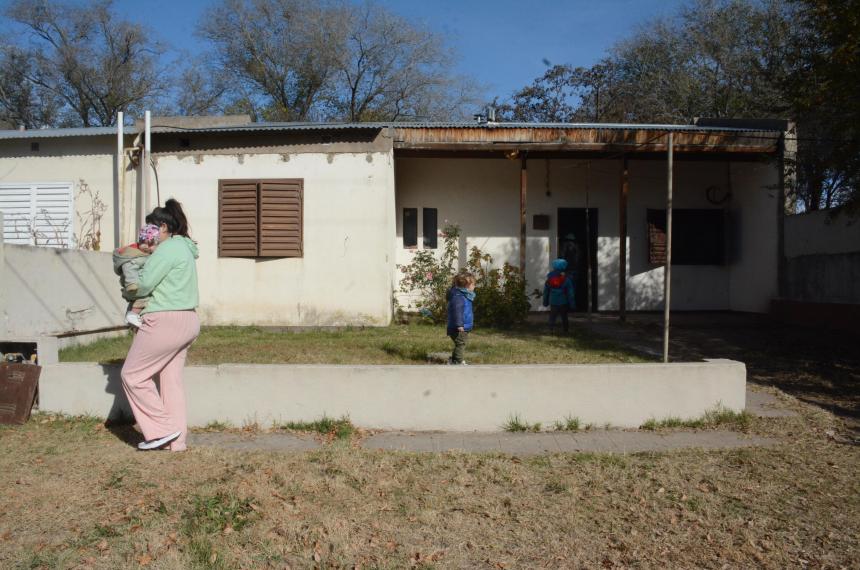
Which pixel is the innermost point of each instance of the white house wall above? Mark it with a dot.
(344, 277)
(482, 196)
(80, 161)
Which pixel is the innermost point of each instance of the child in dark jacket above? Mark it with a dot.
(558, 294)
(460, 315)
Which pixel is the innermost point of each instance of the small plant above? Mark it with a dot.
(213, 513)
(216, 425)
(90, 223)
(555, 487)
(718, 416)
(516, 424)
(116, 479)
(339, 429)
(570, 423)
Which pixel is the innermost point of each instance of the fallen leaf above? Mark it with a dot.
(144, 560)
(228, 529)
(102, 545)
(213, 558)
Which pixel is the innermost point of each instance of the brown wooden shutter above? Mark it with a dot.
(237, 218)
(281, 218)
(656, 237)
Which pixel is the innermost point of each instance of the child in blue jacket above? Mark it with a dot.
(558, 294)
(460, 315)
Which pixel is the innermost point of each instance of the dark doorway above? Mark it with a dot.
(573, 247)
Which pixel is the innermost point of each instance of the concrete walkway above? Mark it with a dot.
(603, 441)
(599, 441)
(760, 404)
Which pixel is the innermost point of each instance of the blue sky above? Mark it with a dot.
(500, 43)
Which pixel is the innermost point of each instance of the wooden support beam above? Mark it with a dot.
(667, 274)
(523, 192)
(622, 236)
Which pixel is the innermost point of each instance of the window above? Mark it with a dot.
(540, 222)
(260, 218)
(38, 214)
(698, 237)
(431, 228)
(410, 227)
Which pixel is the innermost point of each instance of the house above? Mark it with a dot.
(305, 224)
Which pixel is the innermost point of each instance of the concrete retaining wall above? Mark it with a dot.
(49, 291)
(478, 398)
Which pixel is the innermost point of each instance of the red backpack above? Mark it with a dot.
(556, 281)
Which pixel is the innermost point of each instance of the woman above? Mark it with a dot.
(170, 325)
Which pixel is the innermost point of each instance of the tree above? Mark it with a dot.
(389, 68)
(92, 64)
(301, 60)
(21, 102)
(822, 84)
(731, 59)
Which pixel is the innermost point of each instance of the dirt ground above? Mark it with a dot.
(816, 366)
(75, 495)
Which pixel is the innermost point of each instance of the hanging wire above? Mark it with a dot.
(157, 188)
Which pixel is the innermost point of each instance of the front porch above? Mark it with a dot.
(598, 198)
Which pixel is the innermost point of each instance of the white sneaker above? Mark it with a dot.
(133, 319)
(156, 443)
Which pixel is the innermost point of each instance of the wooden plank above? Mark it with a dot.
(523, 190)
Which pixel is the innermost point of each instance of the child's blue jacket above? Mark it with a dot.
(460, 312)
(558, 295)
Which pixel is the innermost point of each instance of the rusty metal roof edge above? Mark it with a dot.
(273, 126)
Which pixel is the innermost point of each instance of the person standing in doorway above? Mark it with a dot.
(558, 294)
(169, 326)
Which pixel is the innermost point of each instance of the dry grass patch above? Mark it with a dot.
(77, 496)
(397, 344)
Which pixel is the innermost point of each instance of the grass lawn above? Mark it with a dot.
(76, 496)
(398, 344)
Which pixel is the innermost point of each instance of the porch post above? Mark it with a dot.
(667, 273)
(523, 189)
(622, 234)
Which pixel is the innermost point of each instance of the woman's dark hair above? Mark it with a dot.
(170, 215)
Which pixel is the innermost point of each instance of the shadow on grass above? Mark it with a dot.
(120, 420)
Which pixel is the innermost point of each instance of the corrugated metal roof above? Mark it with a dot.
(58, 133)
(269, 127)
(449, 125)
(262, 127)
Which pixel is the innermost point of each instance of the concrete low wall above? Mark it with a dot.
(48, 292)
(478, 398)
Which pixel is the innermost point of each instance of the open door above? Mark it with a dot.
(575, 246)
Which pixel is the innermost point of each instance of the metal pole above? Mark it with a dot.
(667, 274)
(144, 164)
(119, 194)
(588, 239)
(622, 234)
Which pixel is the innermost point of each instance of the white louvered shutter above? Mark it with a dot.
(38, 214)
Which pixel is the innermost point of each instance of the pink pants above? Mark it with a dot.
(160, 348)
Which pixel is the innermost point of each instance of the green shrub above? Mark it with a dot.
(500, 294)
(431, 276)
